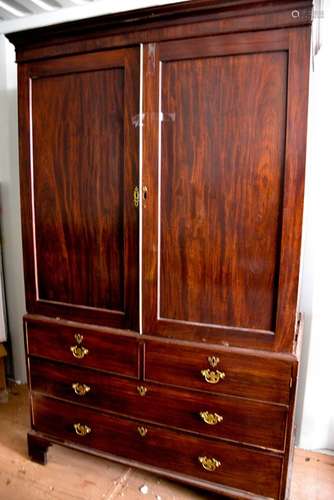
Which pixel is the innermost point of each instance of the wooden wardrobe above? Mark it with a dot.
(162, 156)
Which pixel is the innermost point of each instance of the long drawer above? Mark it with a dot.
(222, 371)
(251, 422)
(219, 462)
(84, 347)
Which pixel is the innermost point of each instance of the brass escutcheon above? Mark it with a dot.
(142, 431)
(136, 197)
(142, 390)
(213, 361)
(78, 338)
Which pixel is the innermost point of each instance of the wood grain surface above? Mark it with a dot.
(221, 189)
(83, 155)
(245, 421)
(246, 374)
(78, 179)
(220, 149)
(105, 350)
(221, 229)
(160, 447)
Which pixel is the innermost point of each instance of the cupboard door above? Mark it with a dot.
(79, 168)
(224, 151)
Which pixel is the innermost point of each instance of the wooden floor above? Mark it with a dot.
(77, 476)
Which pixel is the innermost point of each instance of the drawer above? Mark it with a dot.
(224, 417)
(85, 347)
(236, 466)
(235, 373)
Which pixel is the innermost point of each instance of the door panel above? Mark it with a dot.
(79, 196)
(218, 171)
(84, 168)
(222, 166)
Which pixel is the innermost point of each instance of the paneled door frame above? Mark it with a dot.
(295, 43)
(129, 60)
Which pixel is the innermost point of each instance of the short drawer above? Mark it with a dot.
(234, 466)
(84, 347)
(230, 372)
(224, 417)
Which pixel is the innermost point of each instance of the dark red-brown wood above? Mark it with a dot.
(79, 187)
(220, 220)
(106, 350)
(224, 86)
(160, 447)
(247, 374)
(38, 449)
(245, 421)
(81, 167)
(220, 201)
(174, 21)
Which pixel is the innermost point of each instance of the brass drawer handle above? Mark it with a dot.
(209, 464)
(142, 390)
(213, 377)
(79, 351)
(80, 389)
(82, 430)
(142, 431)
(211, 418)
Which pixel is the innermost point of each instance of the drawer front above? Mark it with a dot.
(84, 347)
(233, 466)
(233, 373)
(251, 422)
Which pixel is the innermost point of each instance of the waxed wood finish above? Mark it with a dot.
(79, 187)
(245, 421)
(106, 351)
(167, 22)
(163, 448)
(221, 204)
(220, 148)
(221, 217)
(83, 228)
(246, 375)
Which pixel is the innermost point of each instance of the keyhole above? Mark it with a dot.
(145, 190)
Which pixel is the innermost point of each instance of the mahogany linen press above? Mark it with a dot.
(162, 156)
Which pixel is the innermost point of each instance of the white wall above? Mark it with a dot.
(3, 320)
(10, 205)
(315, 409)
(316, 405)
(96, 8)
